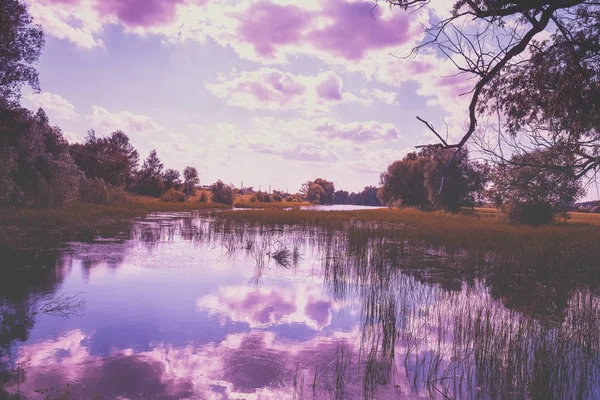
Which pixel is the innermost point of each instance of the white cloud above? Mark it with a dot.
(272, 89)
(54, 105)
(78, 23)
(124, 120)
(380, 95)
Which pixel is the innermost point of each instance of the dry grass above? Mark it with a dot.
(572, 244)
(37, 229)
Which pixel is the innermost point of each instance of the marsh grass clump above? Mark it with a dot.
(283, 257)
(203, 198)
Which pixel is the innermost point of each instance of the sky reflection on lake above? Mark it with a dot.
(187, 308)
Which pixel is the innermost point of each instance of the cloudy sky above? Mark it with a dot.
(268, 92)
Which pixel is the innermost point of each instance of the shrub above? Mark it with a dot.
(253, 199)
(266, 198)
(117, 194)
(277, 198)
(93, 191)
(222, 193)
(203, 197)
(289, 199)
(172, 195)
(529, 213)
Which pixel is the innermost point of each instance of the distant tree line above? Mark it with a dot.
(322, 191)
(39, 166)
(366, 197)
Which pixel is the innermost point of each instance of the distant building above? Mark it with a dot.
(595, 209)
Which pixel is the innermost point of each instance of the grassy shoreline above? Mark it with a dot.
(32, 229)
(572, 245)
(39, 229)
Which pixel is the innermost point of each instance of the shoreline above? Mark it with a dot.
(37, 230)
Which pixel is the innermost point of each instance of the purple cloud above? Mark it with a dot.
(319, 311)
(139, 13)
(358, 28)
(275, 86)
(352, 30)
(267, 25)
(358, 132)
(330, 88)
(69, 2)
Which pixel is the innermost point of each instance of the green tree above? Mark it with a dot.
(319, 191)
(222, 193)
(35, 160)
(403, 183)
(171, 179)
(415, 180)
(190, 175)
(533, 65)
(464, 180)
(112, 159)
(149, 178)
(534, 195)
(21, 43)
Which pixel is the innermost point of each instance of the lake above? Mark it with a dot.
(190, 306)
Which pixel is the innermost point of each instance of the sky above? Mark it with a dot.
(266, 92)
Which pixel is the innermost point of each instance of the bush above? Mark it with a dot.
(289, 199)
(117, 194)
(529, 213)
(277, 198)
(93, 191)
(222, 193)
(149, 186)
(173, 195)
(203, 197)
(253, 199)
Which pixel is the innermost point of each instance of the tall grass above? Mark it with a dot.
(450, 306)
(460, 304)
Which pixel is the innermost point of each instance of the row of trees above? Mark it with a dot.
(523, 189)
(114, 160)
(319, 191)
(322, 191)
(366, 197)
(38, 165)
(35, 162)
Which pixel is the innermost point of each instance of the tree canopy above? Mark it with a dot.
(542, 88)
(21, 43)
(319, 191)
(414, 181)
(112, 159)
(532, 194)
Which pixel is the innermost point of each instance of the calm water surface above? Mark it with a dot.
(185, 307)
